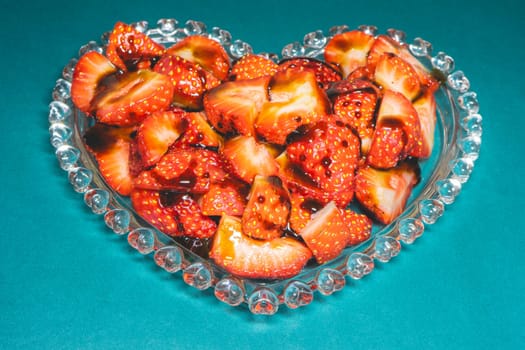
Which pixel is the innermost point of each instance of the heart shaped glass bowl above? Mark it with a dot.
(457, 144)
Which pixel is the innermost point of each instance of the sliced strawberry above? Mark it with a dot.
(227, 197)
(90, 71)
(396, 74)
(360, 226)
(384, 193)
(295, 100)
(252, 66)
(387, 147)
(147, 204)
(189, 214)
(247, 158)
(157, 133)
(326, 234)
(204, 51)
(302, 209)
(130, 97)
(130, 49)
(243, 256)
(348, 50)
(199, 132)
(174, 163)
(425, 107)
(233, 106)
(324, 72)
(267, 210)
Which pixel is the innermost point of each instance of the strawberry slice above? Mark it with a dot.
(233, 106)
(147, 204)
(387, 146)
(243, 256)
(384, 193)
(301, 210)
(252, 66)
(174, 164)
(396, 74)
(204, 51)
(295, 100)
(348, 50)
(199, 132)
(227, 197)
(326, 234)
(360, 226)
(425, 107)
(130, 49)
(157, 133)
(267, 210)
(247, 158)
(324, 72)
(189, 214)
(131, 96)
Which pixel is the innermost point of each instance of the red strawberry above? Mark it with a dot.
(174, 164)
(204, 51)
(90, 71)
(348, 50)
(148, 205)
(243, 256)
(324, 73)
(360, 226)
(130, 49)
(302, 209)
(295, 100)
(267, 210)
(252, 66)
(227, 197)
(233, 106)
(425, 107)
(328, 154)
(326, 234)
(193, 222)
(130, 97)
(199, 132)
(384, 193)
(247, 158)
(396, 74)
(157, 133)
(387, 146)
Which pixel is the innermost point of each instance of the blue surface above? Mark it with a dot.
(67, 282)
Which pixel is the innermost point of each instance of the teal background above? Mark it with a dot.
(67, 282)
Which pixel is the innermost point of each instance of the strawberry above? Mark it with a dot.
(295, 101)
(267, 210)
(206, 52)
(360, 226)
(396, 74)
(247, 158)
(147, 204)
(227, 197)
(90, 71)
(130, 49)
(348, 50)
(425, 107)
(243, 256)
(387, 146)
(174, 163)
(326, 233)
(233, 106)
(325, 74)
(384, 193)
(157, 133)
(301, 210)
(252, 66)
(199, 132)
(130, 97)
(328, 154)
(189, 214)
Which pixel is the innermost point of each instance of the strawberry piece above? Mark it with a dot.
(387, 147)
(157, 133)
(204, 51)
(233, 106)
(384, 193)
(326, 234)
(328, 154)
(243, 256)
(189, 214)
(325, 73)
(295, 100)
(174, 163)
(252, 66)
(360, 226)
(396, 74)
(199, 132)
(90, 71)
(348, 50)
(131, 96)
(247, 158)
(148, 205)
(301, 210)
(425, 107)
(224, 198)
(130, 49)
(267, 210)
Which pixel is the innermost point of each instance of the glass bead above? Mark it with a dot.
(263, 301)
(61, 91)
(167, 26)
(294, 49)
(59, 134)
(472, 124)
(398, 35)
(471, 146)
(90, 46)
(315, 40)
(222, 36)
(169, 258)
(368, 29)
(359, 265)
(469, 102)
(118, 220)
(80, 178)
(448, 189)
(420, 48)
(141, 26)
(338, 30)
(58, 112)
(67, 71)
(443, 62)
(458, 81)
(462, 168)
(386, 248)
(194, 28)
(97, 199)
(230, 291)
(198, 276)
(329, 281)
(239, 48)
(297, 294)
(142, 239)
(410, 229)
(431, 210)
(67, 156)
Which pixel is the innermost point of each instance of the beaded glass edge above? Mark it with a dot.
(266, 298)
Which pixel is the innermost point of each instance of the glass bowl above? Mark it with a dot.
(457, 145)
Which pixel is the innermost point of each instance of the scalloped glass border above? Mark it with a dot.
(461, 131)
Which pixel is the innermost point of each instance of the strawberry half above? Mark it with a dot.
(243, 256)
(89, 73)
(147, 204)
(387, 147)
(199, 132)
(267, 210)
(348, 50)
(384, 193)
(227, 197)
(324, 73)
(360, 226)
(252, 66)
(130, 49)
(396, 74)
